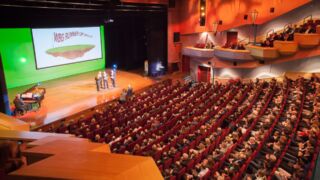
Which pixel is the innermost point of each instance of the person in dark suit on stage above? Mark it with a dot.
(113, 77)
(105, 80)
(98, 79)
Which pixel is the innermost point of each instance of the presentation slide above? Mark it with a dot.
(60, 46)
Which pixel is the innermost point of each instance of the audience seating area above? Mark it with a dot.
(250, 130)
(287, 41)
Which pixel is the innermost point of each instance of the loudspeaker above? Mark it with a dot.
(4, 100)
(245, 17)
(220, 22)
(209, 62)
(115, 1)
(172, 3)
(261, 62)
(176, 37)
(202, 21)
(235, 63)
(272, 10)
(203, 12)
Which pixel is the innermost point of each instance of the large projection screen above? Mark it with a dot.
(60, 46)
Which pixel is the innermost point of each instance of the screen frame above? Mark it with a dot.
(35, 55)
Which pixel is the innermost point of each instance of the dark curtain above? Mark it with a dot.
(4, 100)
(134, 37)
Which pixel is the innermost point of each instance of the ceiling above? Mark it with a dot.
(80, 5)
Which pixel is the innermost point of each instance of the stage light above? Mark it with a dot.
(202, 14)
(23, 60)
(159, 66)
(114, 66)
(108, 20)
(202, 8)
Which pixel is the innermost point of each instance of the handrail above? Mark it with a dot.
(304, 19)
(240, 41)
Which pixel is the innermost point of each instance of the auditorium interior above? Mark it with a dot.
(160, 89)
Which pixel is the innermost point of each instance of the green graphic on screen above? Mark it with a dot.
(18, 57)
(70, 52)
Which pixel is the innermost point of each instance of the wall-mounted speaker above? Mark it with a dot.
(176, 37)
(202, 21)
(172, 3)
(220, 22)
(203, 14)
(235, 63)
(272, 10)
(245, 17)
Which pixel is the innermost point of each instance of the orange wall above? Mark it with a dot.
(173, 26)
(231, 12)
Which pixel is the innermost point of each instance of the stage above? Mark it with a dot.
(70, 95)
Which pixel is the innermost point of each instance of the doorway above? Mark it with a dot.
(203, 74)
(186, 64)
(232, 38)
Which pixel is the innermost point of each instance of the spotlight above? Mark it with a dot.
(159, 66)
(114, 66)
(23, 60)
(109, 20)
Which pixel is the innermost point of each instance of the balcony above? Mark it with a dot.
(286, 48)
(307, 40)
(198, 52)
(263, 53)
(233, 54)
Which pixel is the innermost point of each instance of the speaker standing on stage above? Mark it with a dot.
(99, 81)
(113, 77)
(105, 80)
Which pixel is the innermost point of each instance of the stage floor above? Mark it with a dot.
(70, 95)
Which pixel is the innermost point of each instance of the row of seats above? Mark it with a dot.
(201, 131)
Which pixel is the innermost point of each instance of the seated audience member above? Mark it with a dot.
(296, 29)
(226, 45)
(267, 43)
(20, 105)
(123, 96)
(169, 127)
(308, 30)
(286, 37)
(10, 156)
